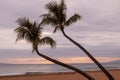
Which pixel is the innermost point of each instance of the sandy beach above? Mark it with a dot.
(98, 75)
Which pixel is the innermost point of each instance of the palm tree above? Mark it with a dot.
(32, 33)
(57, 17)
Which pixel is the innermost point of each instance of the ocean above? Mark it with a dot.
(19, 69)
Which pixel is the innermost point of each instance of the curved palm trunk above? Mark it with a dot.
(89, 55)
(65, 65)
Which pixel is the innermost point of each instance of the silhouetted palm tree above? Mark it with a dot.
(57, 17)
(32, 33)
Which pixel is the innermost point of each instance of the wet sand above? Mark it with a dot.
(98, 75)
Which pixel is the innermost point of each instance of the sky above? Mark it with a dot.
(98, 31)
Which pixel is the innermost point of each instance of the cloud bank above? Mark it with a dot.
(98, 30)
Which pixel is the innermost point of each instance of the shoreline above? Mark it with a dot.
(98, 75)
(40, 73)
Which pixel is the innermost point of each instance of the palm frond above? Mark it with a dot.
(57, 11)
(52, 7)
(62, 5)
(48, 19)
(21, 33)
(62, 11)
(23, 21)
(72, 19)
(56, 28)
(27, 30)
(32, 33)
(57, 16)
(48, 41)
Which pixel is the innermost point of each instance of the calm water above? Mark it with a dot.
(9, 69)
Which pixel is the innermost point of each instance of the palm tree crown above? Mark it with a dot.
(31, 32)
(57, 17)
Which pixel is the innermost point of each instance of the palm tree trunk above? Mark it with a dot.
(89, 55)
(65, 65)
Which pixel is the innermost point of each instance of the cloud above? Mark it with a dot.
(104, 44)
(86, 59)
(65, 60)
(98, 30)
(8, 38)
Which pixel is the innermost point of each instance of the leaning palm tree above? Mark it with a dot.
(32, 33)
(57, 17)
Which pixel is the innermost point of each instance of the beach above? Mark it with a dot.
(98, 75)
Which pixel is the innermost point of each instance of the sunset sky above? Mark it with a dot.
(98, 31)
